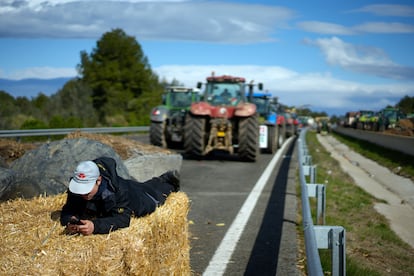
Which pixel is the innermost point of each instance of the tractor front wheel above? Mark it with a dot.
(194, 135)
(157, 134)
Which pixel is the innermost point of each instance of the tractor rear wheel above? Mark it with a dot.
(194, 135)
(249, 138)
(157, 134)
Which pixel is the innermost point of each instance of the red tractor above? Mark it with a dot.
(223, 120)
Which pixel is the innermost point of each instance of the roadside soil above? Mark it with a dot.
(396, 192)
(405, 127)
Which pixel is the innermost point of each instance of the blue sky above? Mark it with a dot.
(335, 56)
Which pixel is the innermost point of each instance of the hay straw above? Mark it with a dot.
(33, 242)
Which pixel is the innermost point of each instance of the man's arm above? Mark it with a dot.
(118, 214)
(74, 207)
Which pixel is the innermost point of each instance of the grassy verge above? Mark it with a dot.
(372, 248)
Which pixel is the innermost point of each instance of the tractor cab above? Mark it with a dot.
(224, 90)
(263, 102)
(180, 97)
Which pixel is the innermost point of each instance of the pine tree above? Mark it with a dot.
(121, 79)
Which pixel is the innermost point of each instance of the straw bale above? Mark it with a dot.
(34, 243)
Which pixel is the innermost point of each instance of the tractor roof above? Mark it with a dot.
(182, 89)
(261, 94)
(225, 78)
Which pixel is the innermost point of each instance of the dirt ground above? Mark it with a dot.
(11, 149)
(405, 127)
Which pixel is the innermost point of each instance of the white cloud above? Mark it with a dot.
(324, 28)
(191, 74)
(388, 10)
(39, 73)
(166, 20)
(39, 5)
(320, 27)
(384, 27)
(362, 59)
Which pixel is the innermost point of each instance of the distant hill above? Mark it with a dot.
(32, 87)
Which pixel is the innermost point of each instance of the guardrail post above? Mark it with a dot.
(318, 191)
(306, 170)
(307, 160)
(310, 170)
(312, 174)
(321, 204)
(333, 238)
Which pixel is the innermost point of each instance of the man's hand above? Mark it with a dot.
(72, 228)
(86, 228)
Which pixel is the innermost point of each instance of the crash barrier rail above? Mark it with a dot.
(65, 131)
(318, 236)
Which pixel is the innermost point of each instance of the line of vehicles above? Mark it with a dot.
(227, 116)
(386, 118)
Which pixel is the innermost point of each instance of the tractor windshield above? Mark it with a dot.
(367, 113)
(181, 99)
(262, 105)
(223, 93)
(390, 113)
(393, 114)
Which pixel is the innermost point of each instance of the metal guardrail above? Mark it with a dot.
(319, 236)
(64, 131)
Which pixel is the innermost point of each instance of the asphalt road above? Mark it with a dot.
(404, 144)
(218, 187)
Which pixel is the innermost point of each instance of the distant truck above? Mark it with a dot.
(350, 119)
(168, 119)
(272, 123)
(223, 120)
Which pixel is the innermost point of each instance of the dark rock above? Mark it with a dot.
(3, 163)
(47, 169)
(6, 179)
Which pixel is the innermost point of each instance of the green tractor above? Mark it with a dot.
(168, 119)
(389, 117)
(363, 119)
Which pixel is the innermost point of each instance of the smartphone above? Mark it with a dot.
(75, 221)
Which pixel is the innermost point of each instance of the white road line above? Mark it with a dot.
(221, 258)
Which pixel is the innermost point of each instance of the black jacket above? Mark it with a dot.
(108, 210)
(116, 200)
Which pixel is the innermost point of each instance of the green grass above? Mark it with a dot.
(372, 248)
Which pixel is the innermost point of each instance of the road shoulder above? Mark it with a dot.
(290, 221)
